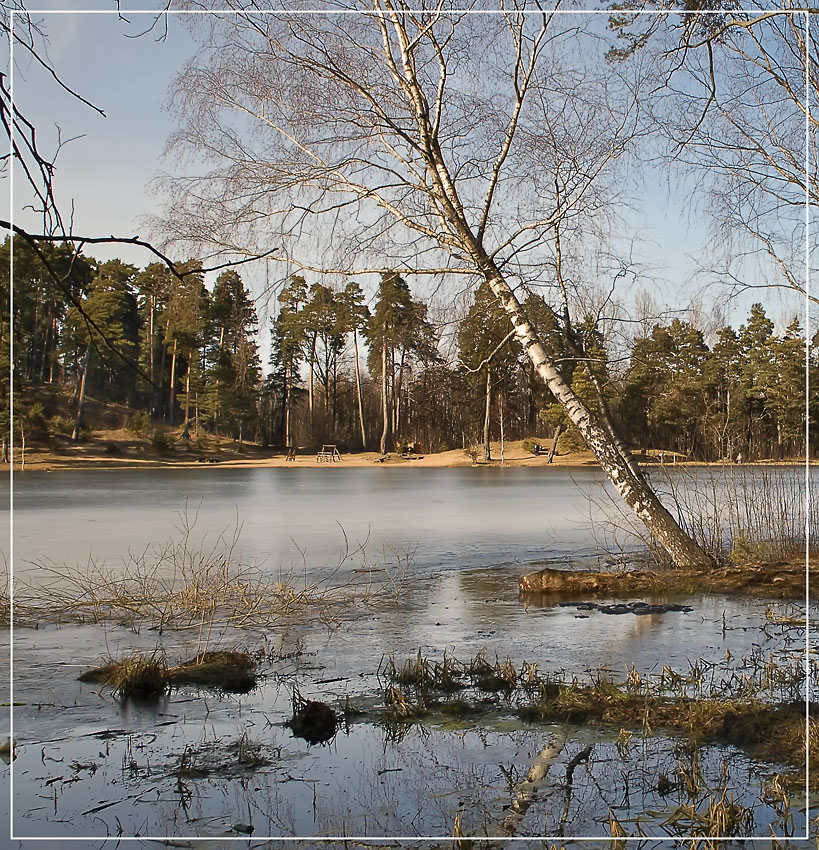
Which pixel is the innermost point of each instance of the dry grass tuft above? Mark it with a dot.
(138, 676)
(141, 676)
(233, 672)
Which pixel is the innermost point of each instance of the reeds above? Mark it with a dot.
(738, 513)
(184, 585)
(743, 514)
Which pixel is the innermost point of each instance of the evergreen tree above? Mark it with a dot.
(112, 306)
(287, 351)
(355, 316)
(397, 330)
(485, 349)
(234, 371)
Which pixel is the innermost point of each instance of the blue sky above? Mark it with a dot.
(106, 174)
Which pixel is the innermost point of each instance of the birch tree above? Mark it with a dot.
(735, 109)
(411, 137)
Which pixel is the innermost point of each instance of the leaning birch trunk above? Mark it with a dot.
(487, 446)
(626, 477)
(358, 391)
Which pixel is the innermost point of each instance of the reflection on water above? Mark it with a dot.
(439, 518)
(89, 767)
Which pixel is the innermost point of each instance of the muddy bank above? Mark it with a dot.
(777, 580)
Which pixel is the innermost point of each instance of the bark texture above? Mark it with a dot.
(614, 458)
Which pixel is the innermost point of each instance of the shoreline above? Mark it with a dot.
(55, 462)
(93, 457)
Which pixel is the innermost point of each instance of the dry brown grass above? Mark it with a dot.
(234, 672)
(774, 580)
(183, 585)
(141, 676)
(138, 676)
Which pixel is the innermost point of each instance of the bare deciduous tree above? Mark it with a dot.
(736, 110)
(411, 137)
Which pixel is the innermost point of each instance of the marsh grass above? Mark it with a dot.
(707, 703)
(233, 672)
(148, 676)
(738, 513)
(185, 585)
(137, 676)
(745, 513)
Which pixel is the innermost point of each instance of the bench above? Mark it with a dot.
(328, 454)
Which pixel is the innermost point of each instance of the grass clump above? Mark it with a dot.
(146, 677)
(233, 672)
(138, 676)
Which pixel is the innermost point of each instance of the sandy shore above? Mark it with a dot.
(122, 451)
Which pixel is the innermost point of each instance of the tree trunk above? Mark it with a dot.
(500, 419)
(358, 391)
(487, 446)
(334, 411)
(172, 394)
(613, 457)
(285, 423)
(553, 449)
(54, 360)
(310, 388)
(159, 392)
(151, 353)
(385, 413)
(188, 390)
(396, 425)
(75, 434)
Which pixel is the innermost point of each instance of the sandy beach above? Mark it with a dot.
(121, 449)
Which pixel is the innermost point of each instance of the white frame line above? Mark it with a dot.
(413, 838)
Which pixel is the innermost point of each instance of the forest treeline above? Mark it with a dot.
(374, 373)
